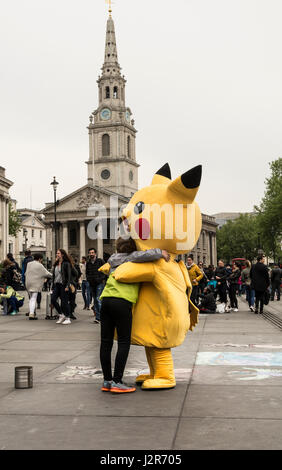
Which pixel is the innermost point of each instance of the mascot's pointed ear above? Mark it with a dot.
(187, 185)
(163, 176)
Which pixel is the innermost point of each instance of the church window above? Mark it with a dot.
(128, 147)
(115, 92)
(106, 147)
(108, 93)
(131, 176)
(105, 175)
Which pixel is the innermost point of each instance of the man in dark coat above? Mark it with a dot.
(96, 280)
(260, 282)
(276, 275)
(208, 304)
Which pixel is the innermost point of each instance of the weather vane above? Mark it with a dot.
(109, 2)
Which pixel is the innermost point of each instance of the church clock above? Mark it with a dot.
(105, 114)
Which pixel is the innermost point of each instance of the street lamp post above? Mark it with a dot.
(55, 186)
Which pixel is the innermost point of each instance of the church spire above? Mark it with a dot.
(111, 65)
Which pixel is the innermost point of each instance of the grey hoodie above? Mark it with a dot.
(135, 257)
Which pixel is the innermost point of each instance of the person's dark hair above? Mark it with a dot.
(94, 249)
(10, 256)
(37, 256)
(126, 246)
(84, 257)
(191, 256)
(75, 260)
(27, 253)
(260, 257)
(208, 290)
(65, 256)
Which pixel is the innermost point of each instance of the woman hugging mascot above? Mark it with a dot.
(163, 215)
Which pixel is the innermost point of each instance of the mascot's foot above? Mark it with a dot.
(155, 384)
(141, 378)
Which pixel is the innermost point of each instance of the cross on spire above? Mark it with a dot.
(109, 2)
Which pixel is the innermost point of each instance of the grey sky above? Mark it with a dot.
(203, 82)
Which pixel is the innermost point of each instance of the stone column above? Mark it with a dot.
(65, 237)
(82, 239)
(100, 243)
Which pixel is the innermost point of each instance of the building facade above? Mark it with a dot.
(5, 185)
(32, 235)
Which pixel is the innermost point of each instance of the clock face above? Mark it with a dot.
(106, 174)
(127, 116)
(105, 114)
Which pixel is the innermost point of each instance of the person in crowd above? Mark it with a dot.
(233, 286)
(209, 272)
(27, 259)
(246, 281)
(61, 286)
(208, 303)
(12, 300)
(260, 282)
(85, 288)
(78, 270)
(9, 275)
(221, 274)
(75, 276)
(116, 313)
(10, 256)
(96, 281)
(195, 275)
(35, 276)
(276, 275)
(203, 282)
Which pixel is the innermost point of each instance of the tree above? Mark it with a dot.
(238, 238)
(269, 213)
(15, 222)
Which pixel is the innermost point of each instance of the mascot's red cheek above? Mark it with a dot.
(142, 228)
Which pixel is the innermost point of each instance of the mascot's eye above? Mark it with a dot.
(139, 208)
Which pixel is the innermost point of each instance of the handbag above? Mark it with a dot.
(72, 288)
(266, 297)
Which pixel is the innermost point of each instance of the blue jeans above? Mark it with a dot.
(250, 296)
(96, 290)
(14, 304)
(86, 294)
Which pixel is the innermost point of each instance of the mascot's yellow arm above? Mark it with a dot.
(161, 316)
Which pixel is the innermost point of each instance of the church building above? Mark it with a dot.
(112, 166)
(112, 173)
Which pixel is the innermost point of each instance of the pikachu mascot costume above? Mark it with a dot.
(163, 215)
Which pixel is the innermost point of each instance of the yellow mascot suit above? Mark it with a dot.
(163, 215)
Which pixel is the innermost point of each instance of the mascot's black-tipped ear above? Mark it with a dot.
(165, 171)
(192, 178)
(186, 186)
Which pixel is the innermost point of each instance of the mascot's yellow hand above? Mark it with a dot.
(105, 269)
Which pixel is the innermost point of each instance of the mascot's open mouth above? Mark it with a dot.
(142, 228)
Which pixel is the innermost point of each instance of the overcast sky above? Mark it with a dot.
(204, 83)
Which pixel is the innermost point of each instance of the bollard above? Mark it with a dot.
(23, 377)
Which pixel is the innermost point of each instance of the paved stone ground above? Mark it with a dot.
(228, 393)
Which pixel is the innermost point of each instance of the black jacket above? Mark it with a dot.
(234, 277)
(92, 274)
(276, 275)
(222, 273)
(260, 277)
(67, 276)
(208, 302)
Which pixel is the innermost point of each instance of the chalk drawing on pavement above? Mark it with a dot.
(213, 358)
(88, 372)
(251, 373)
(247, 346)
